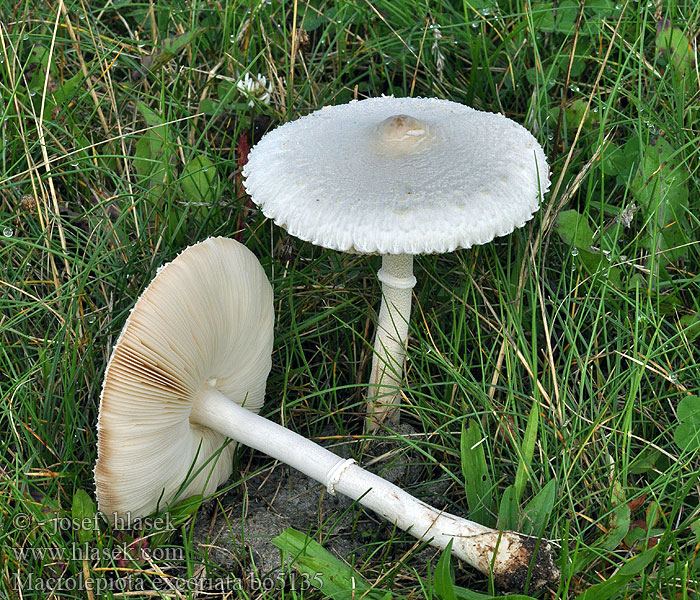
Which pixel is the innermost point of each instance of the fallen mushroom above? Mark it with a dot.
(397, 177)
(188, 372)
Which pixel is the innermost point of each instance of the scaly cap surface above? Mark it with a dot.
(398, 176)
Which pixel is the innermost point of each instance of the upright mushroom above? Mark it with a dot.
(397, 177)
(189, 370)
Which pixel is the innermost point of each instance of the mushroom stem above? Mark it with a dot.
(383, 396)
(507, 554)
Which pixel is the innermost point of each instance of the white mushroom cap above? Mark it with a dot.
(398, 176)
(206, 319)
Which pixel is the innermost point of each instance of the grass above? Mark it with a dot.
(586, 318)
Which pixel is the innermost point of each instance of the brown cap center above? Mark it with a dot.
(402, 134)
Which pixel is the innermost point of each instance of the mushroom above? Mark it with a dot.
(188, 372)
(397, 177)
